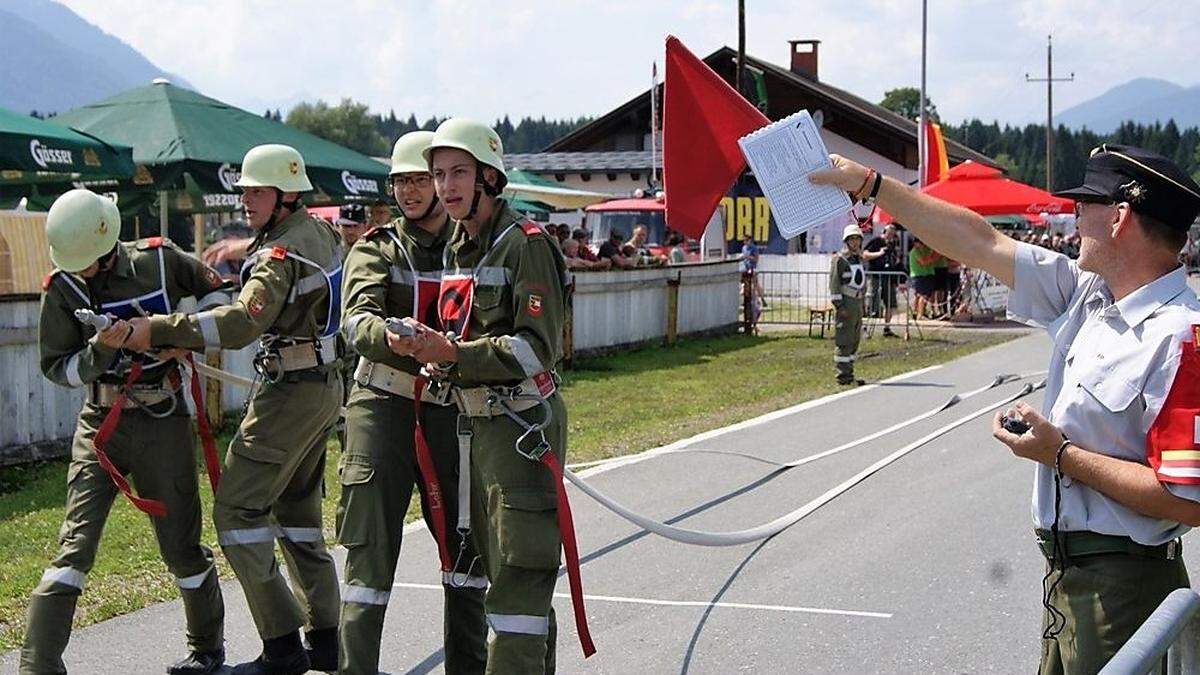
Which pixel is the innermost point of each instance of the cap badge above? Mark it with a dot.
(1134, 192)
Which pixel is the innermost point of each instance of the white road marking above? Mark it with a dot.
(692, 603)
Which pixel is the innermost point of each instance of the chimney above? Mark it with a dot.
(804, 57)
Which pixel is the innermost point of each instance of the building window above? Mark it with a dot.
(585, 177)
(560, 177)
(611, 177)
(635, 176)
(7, 282)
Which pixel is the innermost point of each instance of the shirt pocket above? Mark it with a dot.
(1113, 392)
(488, 298)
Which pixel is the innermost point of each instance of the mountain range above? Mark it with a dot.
(54, 60)
(1145, 100)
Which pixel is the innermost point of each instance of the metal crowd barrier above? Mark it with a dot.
(1170, 637)
(802, 298)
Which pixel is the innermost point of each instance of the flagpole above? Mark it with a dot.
(922, 149)
(654, 124)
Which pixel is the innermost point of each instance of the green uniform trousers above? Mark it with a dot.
(271, 488)
(378, 473)
(514, 520)
(160, 458)
(1105, 599)
(846, 336)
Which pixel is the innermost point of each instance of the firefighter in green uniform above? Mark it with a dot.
(847, 276)
(152, 442)
(271, 488)
(503, 299)
(351, 224)
(395, 272)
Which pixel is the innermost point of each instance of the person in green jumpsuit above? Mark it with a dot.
(395, 272)
(272, 485)
(503, 299)
(847, 276)
(152, 443)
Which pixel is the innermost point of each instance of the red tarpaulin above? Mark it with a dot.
(987, 192)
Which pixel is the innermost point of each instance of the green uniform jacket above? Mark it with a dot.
(379, 284)
(70, 354)
(517, 314)
(282, 295)
(841, 274)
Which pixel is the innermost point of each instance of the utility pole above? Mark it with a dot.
(1049, 80)
(741, 55)
(922, 151)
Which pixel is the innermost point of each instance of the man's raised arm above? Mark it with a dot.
(951, 230)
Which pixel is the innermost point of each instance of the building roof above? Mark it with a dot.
(578, 162)
(843, 109)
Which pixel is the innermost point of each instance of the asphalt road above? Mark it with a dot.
(928, 566)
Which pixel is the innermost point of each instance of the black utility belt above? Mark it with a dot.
(1083, 543)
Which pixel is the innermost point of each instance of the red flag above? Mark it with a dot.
(702, 119)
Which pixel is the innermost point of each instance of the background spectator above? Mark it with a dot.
(884, 258)
(922, 262)
(575, 262)
(676, 255)
(611, 251)
(749, 265)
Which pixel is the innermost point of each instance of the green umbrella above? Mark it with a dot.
(36, 151)
(185, 141)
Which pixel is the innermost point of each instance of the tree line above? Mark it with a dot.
(1021, 150)
(353, 125)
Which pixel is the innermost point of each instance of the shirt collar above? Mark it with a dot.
(123, 267)
(424, 238)
(1140, 304)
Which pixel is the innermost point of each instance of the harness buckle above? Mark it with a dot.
(269, 365)
(1172, 549)
(463, 426)
(541, 447)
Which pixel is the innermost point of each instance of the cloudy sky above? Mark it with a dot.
(559, 58)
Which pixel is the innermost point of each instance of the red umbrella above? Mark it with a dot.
(987, 192)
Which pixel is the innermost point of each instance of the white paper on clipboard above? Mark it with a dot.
(782, 154)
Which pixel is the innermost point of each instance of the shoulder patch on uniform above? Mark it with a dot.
(531, 228)
(278, 253)
(46, 281)
(150, 243)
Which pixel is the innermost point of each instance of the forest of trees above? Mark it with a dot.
(351, 124)
(1021, 150)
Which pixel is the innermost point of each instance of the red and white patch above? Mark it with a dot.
(545, 383)
(278, 253)
(256, 304)
(535, 305)
(211, 276)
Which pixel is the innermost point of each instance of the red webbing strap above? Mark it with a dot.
(566, 530)
(150, 507)
(433, 489)
(211, 463)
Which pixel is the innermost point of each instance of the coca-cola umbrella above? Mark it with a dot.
(36, 151)
(192, 145)
(986, 191)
